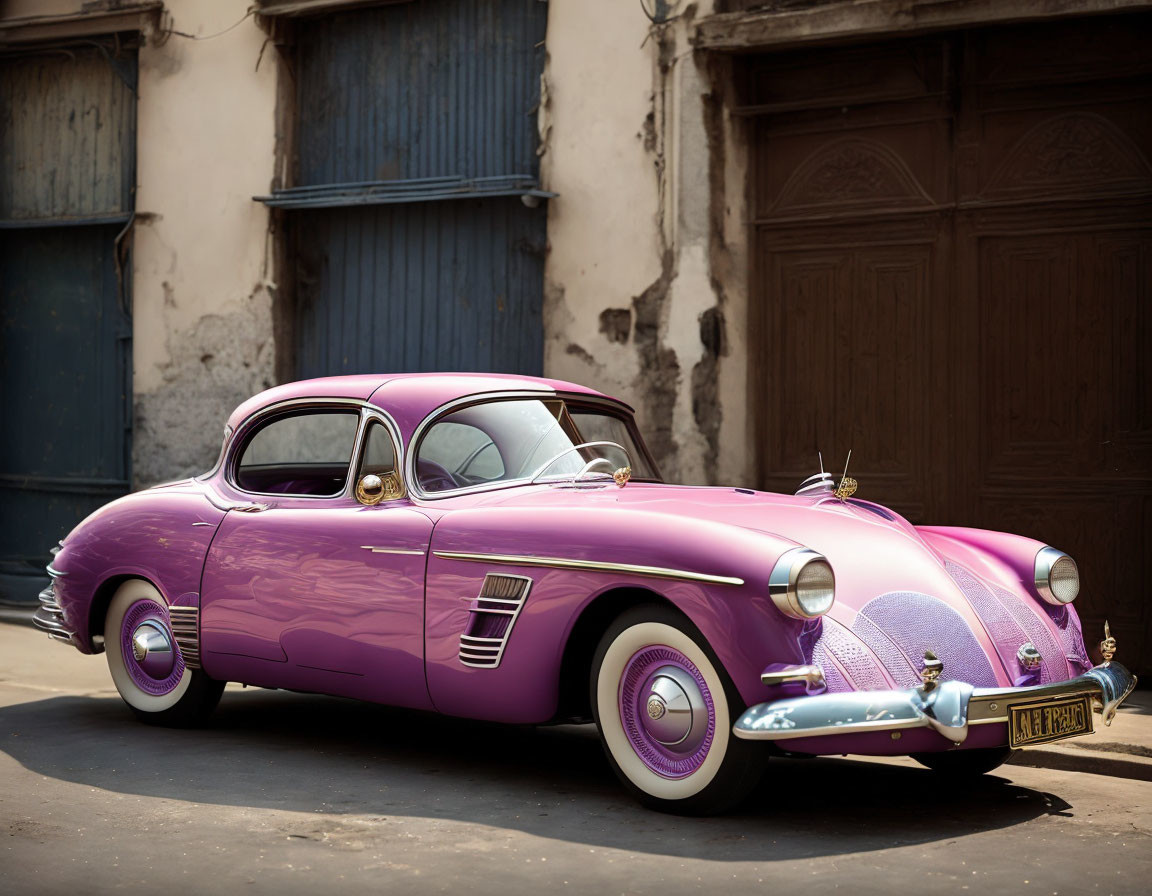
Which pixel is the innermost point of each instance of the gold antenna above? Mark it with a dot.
(847, 487)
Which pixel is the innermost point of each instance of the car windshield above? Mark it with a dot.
(525, 440)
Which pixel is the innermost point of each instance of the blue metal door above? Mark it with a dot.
(418, 232)
(67, 138)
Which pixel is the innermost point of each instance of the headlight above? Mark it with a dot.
(802, 584)
(1057, 578)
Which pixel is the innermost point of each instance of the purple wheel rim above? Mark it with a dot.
(145, 611)
(641, 724)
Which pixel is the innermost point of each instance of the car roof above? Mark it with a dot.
(408, 397)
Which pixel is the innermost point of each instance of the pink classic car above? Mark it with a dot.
(503, 548)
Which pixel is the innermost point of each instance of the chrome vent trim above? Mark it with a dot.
(49, 617)
(185, 623)
(491, 618)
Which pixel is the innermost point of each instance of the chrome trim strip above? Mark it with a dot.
(54, 572)
(659, 572)
(812, 676)
(378, 550)
(949, 707)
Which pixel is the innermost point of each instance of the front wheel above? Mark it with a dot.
(964, 763)
(664, 707)
(145, 661)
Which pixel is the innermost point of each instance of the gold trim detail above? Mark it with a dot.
(658, 572)
(1108, 645)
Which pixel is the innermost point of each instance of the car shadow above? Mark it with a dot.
(305, 753)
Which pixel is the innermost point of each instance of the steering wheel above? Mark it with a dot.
(435, 478)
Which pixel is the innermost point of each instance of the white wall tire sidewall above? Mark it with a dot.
(126, 595)
(622, 649)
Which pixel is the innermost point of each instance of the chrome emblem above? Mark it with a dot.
(622, 476)
(656, 708)
(1028, 656)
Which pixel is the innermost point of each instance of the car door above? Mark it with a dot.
(305, 585)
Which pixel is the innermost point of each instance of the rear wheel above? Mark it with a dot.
(964, 763)
(665, 707)
(146, 664)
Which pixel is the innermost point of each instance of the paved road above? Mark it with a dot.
(292, 793)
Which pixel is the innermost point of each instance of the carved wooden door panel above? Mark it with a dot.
(852, 230)
(1054, 268)
(951, 272)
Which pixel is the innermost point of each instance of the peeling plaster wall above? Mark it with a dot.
(645, 277)
(202, 296)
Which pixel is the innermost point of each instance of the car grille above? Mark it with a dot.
(1010, 623)
(900, 626)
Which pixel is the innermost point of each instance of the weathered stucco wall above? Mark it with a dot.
(645, 282)
(202, 294)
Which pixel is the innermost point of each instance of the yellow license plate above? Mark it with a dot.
(1041, 723)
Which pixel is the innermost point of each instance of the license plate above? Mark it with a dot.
(1041, 723)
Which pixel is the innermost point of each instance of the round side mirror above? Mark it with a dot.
(370, 489)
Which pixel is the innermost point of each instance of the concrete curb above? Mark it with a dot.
(1094, 762)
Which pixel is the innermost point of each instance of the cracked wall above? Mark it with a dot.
(645, 276)
(202, 289)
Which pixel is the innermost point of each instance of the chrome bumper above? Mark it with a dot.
(949, 707)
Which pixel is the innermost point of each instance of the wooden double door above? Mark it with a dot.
(952, 272)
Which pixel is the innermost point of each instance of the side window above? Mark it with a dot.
(380, 460)
(304, 454)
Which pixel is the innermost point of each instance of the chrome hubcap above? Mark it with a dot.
(676, 716)
(152, 650)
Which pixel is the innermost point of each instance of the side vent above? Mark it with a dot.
(492, 615)
(186, 630)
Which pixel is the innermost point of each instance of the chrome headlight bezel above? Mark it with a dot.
(784, 585)
(1047, 559)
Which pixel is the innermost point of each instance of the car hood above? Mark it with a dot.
(897, 593)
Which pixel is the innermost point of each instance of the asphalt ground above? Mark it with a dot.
(287, 793)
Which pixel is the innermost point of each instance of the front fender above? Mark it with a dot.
(739, 621)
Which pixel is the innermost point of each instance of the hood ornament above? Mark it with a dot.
(622, 476)
(847, 487)
(823, 483)
(1108, 645)
(931, 670)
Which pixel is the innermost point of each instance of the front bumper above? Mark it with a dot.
(950, 708)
